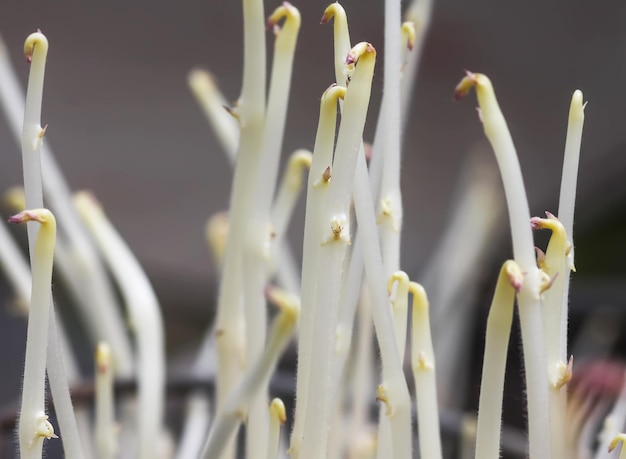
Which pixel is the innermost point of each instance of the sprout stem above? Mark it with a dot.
(33, 423)
(213, 103)
(278, 417)
(255, 377)
(528, 298)
(494, 361)
(230, 321)
(393, 391)
(423, 363)
(332, 253)
(567, 200)
(318, 184)
(106, 441)
(145, 314)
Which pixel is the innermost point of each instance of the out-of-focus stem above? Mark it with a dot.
(196, 426)
(256, 376)
(213, 103)
(287, 197)
(419, 13)
(494, 361)
(106, 441)
(423, 363)
(283, 262)
(278, 417)
(390, 204)
(144, 311)
(619, 439)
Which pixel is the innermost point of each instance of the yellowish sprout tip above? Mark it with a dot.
(361, 50)
(399, 276)
(43, 216)
(278, 411)
(299, 160)
(408, 34)
(15, 198)
(103, 357)
(35, 40)
(331, 11)
(420, 299)
(285, 11)
(619, 438)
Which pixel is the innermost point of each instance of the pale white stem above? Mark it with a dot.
(419, 13)
(528, 298)
(567, 198)
(145, 315)
(255, 377)
(83, 269)
(278, 417)
(71, 421)
(555, 264)
(393, 391)
(317, 189)
(352, 281)
(259, 253)
(196, 426)
(390, 205)
(400, 308)
(358, 438)
(105, 427)
(288, 269)
(35, 51)
(569, 178)
(337, 431)
(256, 274)
(280, 84)
(423, 363)
(33, 422)
(363, 367)
(341, 41)
(467, 437)
(450, 277)
(282, 211)
(15, 269)
(230, 321)
(216, 236)
(287, 197)
(213, 105)
(62, 367)
(494, 361)
(332, 252)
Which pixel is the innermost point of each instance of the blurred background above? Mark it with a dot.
(123, 124)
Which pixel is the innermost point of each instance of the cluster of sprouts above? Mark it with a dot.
(350, 280)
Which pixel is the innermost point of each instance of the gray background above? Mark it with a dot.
(124, 125)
